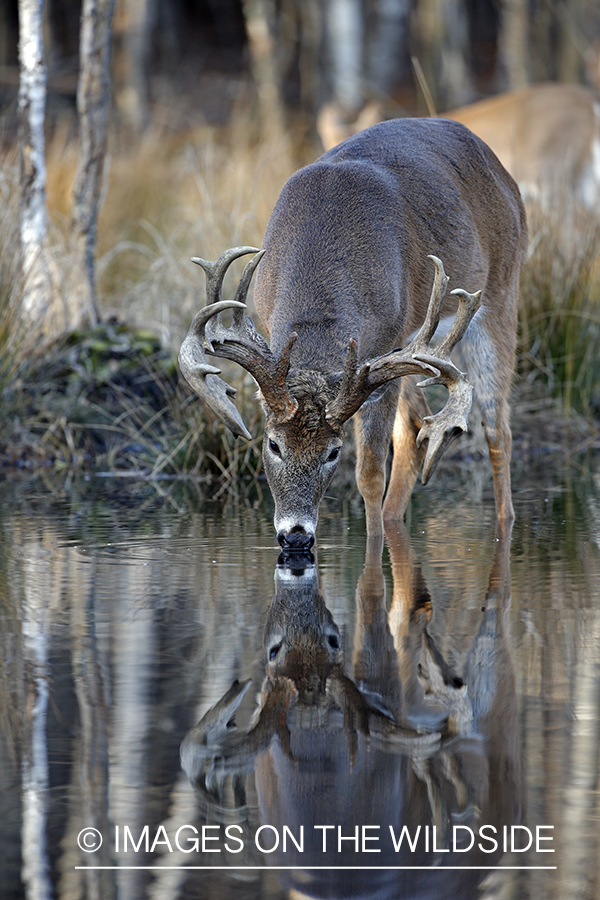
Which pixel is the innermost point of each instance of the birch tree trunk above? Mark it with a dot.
(32, 107)
(259, 16)
(93, 97)
(345, 40)
(35, 766)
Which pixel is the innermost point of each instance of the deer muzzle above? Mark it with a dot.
(297, 539)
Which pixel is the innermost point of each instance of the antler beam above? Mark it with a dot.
(240, 343)
(358, 382)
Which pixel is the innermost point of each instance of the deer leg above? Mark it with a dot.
(499, 440)
(377, 672)
(490, 365)
(407, 460)
(373, 424)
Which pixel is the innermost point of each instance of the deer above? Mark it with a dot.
(547, 136)
(342, 291)
(398, 737)
(332, 123)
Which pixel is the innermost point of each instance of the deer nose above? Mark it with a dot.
(296, 540)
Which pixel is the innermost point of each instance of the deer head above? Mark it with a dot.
(327, 747)
(305, 688)
(305, 411)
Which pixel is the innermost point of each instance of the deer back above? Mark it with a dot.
(345, 245)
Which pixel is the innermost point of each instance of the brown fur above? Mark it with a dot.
(345, 258)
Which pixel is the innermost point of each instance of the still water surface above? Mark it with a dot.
(448, 685)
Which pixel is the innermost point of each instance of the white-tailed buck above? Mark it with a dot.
(343, 282)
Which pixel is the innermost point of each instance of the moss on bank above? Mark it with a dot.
(110, 398)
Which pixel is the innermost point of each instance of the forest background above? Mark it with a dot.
(200, 112)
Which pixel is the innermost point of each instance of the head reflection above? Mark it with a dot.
(401, 759)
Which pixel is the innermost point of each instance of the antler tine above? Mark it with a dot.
(421, 340)
(216, 271)
(244, 283)
(444, 427)
(359, 382)
(354, 387)
(448, 424)
(203, 377)
(240, 343)
(468, 304)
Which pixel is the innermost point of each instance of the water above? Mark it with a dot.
(450, 682)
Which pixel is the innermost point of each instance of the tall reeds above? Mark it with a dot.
(560, 308)
(11, 333)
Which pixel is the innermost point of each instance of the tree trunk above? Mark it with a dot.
(441, 33)
(259, 16)
(35, 620)
(514, 42)
(93, 97)
(388, 63)
(32, 105)
(133, 24)
(345, 39)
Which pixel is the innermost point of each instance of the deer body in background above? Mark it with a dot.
(547, 136)
(343, 283)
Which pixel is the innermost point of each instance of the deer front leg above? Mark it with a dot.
(499, 441)
(375, 662)
(411, 409)
(488, 355)
(373, 424)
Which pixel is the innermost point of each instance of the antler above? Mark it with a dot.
(358, 382)
(241, 343)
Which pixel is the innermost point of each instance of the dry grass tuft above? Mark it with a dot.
(560, 309)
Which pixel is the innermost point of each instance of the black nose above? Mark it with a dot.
(296, 540)
(297, 561)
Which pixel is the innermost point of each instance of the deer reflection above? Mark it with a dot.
(409, 742)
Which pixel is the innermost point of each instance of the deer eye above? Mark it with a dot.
(333, 641)
(274, 651)
(274, 448)
(333, 455)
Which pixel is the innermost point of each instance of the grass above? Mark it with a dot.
(560, 309)
(12, 336)
(111, 399)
